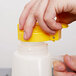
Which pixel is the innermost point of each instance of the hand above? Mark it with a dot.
(44, 11)
(60, 68)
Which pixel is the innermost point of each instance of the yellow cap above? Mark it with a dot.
(39, 35)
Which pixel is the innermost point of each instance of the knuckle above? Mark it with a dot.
(26, 5)
(37, 14)
(32, 11)
(46, 18)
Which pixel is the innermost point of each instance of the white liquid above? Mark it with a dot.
(32, 59)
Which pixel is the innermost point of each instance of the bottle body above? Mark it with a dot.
(32, 60)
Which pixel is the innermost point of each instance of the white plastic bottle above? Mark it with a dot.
(32, 59)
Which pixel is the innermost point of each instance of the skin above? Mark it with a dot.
(60, 68)
(44, 11)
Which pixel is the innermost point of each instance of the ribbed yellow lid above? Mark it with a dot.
(39, 35)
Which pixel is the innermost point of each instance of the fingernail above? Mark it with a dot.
(24, 35)
(57, 65)
(52, 33)
(60, 67)
(59, 26)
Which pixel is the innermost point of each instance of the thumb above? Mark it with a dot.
(59, 66)
(70, 61)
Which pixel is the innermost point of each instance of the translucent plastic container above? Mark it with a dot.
(32, 59)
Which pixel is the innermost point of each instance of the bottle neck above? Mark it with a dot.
(33, 48)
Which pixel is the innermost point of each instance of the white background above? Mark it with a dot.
(9, 15)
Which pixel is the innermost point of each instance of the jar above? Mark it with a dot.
(32, 59)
